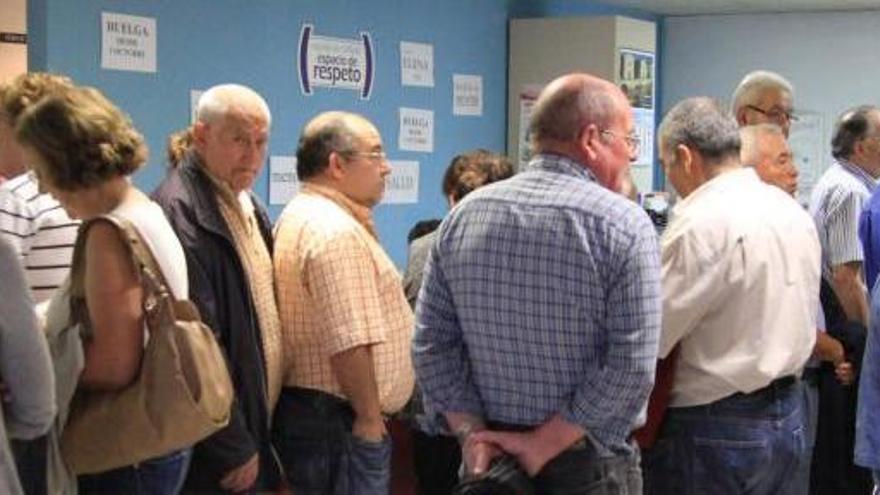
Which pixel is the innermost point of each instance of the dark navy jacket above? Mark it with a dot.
(219, 288)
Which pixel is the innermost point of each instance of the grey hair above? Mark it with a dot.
(216, 102)
(702, 124)
(750, 136)
(560, 115)
(755, 83)
(851, 127)
(326, 133)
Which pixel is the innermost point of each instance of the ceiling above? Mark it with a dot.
(696, 7)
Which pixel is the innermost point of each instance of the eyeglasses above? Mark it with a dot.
(775, 114)
(373, 156)
(632, 139)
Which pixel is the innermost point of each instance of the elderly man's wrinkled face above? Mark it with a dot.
(365, 166)
(233, 147)
(619, 148)
(775, 165)
(773, 106)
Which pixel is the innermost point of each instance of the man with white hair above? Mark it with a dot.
(226, 235)
(739, 292)
(764, 97)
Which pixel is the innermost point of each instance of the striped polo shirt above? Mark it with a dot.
(835, 205)
(40, 231)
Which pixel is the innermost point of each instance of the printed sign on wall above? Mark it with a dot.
(402, 184)
(337, 63)
(283, 182)
(416, 130)
(128, 42)
(416, 64)
(467, 95)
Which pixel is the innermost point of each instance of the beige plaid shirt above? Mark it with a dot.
(337, 289)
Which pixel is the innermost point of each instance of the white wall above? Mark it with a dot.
(831, 58)
(13, 57)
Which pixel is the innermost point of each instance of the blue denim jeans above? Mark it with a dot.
(745, 443)
(160, 476)
(320, 456)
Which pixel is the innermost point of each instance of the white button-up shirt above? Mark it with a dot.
(740, 279)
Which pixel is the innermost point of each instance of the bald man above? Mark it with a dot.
(347, 324)
(538, 320)
(226, 236)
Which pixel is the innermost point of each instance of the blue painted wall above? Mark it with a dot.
(254, 42)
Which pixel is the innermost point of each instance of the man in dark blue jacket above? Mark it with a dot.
(226, 236)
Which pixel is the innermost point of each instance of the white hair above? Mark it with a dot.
(216, 102)
(755, 83)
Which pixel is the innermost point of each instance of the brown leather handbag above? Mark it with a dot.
(182, 394)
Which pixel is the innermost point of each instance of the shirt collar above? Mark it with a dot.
(859, 173)
(561, 164)
(718, 182)
(360, 213)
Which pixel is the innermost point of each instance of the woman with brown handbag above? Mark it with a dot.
(83, 149)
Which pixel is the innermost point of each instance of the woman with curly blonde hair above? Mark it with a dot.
(83, 150)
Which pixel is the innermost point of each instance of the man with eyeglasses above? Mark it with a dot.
(347, 325)
(764, 97)
(740, 263)
(539, 314)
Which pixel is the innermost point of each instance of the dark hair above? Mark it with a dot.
(852, 126)
(84, 139)
(325, 134)
(474, 169)
(179, 144)
(422, 228)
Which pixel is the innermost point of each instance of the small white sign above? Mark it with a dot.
(467, 95)
(402, 184)
(128, 42)
(416, 130)
(194, 95)
(283, 182)
(416, 64)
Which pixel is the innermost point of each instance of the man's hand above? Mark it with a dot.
(534, 449)
(477, 456)
(369, 429)
(529, 451)
(243, 477)
(844, 372)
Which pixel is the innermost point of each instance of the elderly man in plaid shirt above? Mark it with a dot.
(538, 321)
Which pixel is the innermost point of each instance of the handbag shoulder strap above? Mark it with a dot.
(142, 256)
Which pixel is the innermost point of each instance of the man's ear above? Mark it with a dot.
(336, 165)
(741, 117)
(588, 139)
(200, 134)
(685, 158)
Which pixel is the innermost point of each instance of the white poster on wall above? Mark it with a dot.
(402, 184)
(336, 63)
(809, 151)
(416, 130)
(643, 120)
(467, 95)
(416, 64)
(283, 182)
(194, 95)
(128, 42)
(527, 98)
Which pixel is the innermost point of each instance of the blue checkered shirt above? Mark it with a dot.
(542, 296)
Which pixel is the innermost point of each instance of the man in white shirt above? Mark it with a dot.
(740, 264)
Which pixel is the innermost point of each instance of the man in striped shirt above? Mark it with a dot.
(836, 204)
(34, 223)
